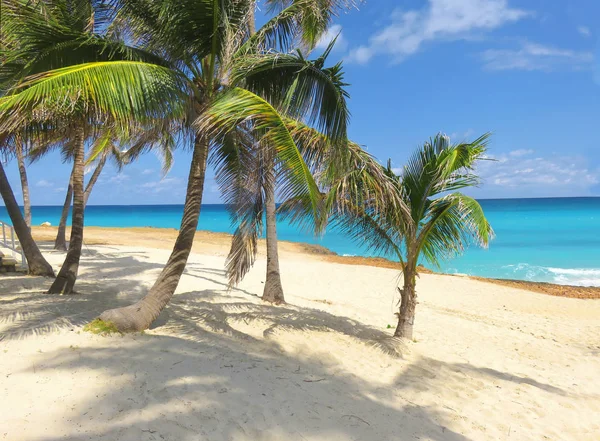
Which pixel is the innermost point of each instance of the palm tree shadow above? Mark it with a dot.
(206, 385)
(26, 310)
(222, 312)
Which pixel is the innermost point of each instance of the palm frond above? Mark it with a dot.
(299, 88)
(127, 91)
(453, 222)
(237, 107)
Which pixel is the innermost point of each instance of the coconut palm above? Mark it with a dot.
(441, 221)
(37, 264)
(258, 172)
(24, 182)
(188, 62)
(107, 146)
(347, 178)
(42, 37)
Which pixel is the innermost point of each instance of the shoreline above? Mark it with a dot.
(218, 244)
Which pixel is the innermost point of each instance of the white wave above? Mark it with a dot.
(576, 271)
(561, 276)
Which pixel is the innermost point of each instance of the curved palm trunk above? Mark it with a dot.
(38, 266)
(65, 281)
(93, 179)
(60, 243)
(408, 304)
(140, 315)
(24, 183)
(273, 291)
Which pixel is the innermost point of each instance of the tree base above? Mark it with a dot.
(273, 299)
(404, 330)
(273, 292)
(41, 270)
(132, 318)
(63, 284)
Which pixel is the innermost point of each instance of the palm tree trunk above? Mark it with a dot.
(38, 266)
(93, 179)
(140, 315)
(408, 304)
(65, 281)
(24, 183)
(252, 19)
(60, 243)
(273, 291)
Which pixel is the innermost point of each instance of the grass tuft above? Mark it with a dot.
(100, 327)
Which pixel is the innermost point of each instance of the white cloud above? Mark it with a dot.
(521, 152)
(533, 56)
(171, 184)
(585, 31)
(460, 137)
(521, 173)
(440, 20)
(149, 171)
(341, 44)
(44, 184)
(118, 179)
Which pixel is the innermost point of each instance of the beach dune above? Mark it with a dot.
(489, 362)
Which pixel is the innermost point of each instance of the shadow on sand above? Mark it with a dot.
(205, 378)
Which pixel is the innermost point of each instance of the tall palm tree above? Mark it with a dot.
(24, 181)
(261, 172)
(185, 63)
(441, 220)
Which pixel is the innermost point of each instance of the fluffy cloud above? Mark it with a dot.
(533, 56)
(44, 184)
(522, 173)
(118, 179)
(585, 31)
(332, 32)
(440, 20)
(520, 152)
(173, 185)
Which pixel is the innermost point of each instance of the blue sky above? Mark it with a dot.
(526, 70)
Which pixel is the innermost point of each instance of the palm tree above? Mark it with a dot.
(37, 264)
(186, 63)
(105, 147)
(261, 175)
(24, 182)
(42, 37)
(348, 177)
(441, 220)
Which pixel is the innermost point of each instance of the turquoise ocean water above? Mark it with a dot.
(544, 240)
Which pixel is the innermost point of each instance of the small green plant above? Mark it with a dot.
(389, 326)
(101, 327)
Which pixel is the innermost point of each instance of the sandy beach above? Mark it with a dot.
(489, 362)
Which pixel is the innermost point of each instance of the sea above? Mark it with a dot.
(553, 240)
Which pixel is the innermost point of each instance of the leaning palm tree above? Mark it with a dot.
(441, 220)
(36, 263)
(44, 38)
(185, 62)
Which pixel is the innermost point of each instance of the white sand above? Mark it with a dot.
(490, 362)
